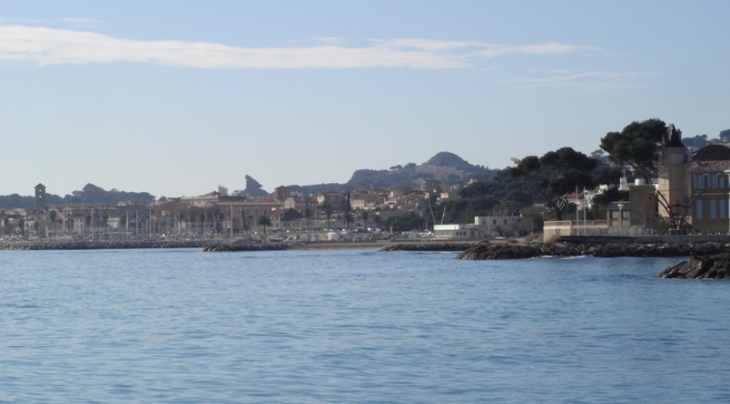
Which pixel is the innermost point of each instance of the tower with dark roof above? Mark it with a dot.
(674, 157)
(40, 198)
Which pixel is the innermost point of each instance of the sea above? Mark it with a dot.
(356, 326)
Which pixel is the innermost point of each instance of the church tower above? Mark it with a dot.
(673, 157)
(40, 198)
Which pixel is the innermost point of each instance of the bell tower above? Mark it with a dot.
(673, 155)
(40, 198)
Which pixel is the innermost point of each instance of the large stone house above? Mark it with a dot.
(694, 186)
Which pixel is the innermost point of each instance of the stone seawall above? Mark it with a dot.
(487, 251)
(233, 247)
(426, 247)
(100, 245)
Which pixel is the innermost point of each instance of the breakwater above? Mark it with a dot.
(101, 245)
(206, 245)
(426, 247)
(233, 247)
(494, 251)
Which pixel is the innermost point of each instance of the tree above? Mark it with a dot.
(599, 155)
(696, 142)
(636, 145)
(328, 214)
(308, 214)
(556, 174)
(264, 221)
(290, 214)
(348, 218)
(600, 201)
(476, 189)
(409, 221)
(364, 216)
(377, 221)
(606, 175)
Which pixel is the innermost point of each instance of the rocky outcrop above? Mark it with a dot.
(426, 247)
(493, 251)
(710, 267)
(253, 188)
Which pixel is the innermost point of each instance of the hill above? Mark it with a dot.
(446, 159)
(408, 175)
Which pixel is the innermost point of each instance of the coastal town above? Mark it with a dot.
(283, 215)
(685, 193)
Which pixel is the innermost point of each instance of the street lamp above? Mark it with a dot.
(620, 218)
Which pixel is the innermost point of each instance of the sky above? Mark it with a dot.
(178, 97)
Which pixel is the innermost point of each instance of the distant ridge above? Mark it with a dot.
(89, 194)
(361, 179)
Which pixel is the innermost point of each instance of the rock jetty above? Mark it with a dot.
(426, 247)
(711, 267)
(101, 245)
(495, 251)
(233, 247)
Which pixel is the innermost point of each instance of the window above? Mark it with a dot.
(625, 214)
(494, 221)
(722, 181)
(714, 180)
(713, 209)
(698, 211)
(614, 214)
(722, 209)
(505, 221)
(695, 181)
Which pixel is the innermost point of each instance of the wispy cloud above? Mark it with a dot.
(59, 46)
(593, 79)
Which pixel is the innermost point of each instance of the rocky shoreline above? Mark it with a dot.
(710, 267)
(426, 247)
(234, 247)
(493, 251)
(101, 245)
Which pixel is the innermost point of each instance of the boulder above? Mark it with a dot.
(700, 267)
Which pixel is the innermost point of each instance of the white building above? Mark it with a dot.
(455, 231)
(492, 226)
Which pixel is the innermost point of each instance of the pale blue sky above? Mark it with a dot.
(177, 97)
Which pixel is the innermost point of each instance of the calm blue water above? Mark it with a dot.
(181, 326)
